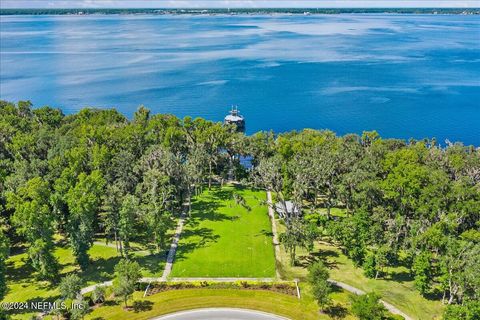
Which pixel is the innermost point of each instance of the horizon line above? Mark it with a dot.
(227, 8)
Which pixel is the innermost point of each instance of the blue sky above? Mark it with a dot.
(234, 3)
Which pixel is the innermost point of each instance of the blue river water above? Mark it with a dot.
(402, 75)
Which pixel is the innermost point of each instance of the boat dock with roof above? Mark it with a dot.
(235, 118)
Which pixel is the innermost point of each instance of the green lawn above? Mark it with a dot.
(224, 239)
(172, 301)
(22, 286)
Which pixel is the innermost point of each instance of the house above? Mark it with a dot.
(290, 209)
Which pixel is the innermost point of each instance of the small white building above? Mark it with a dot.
(290, 209)
(235, 118)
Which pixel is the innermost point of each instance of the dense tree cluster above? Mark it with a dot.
(97, 173)
(406, 203)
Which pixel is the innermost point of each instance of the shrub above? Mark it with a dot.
(368, 306)
(317, 277)
(98, 295)
(70, 286)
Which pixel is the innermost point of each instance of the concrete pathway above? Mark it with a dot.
(276, 242)
(173, 247)
(220, 314)
(387, 305)
(93, 286)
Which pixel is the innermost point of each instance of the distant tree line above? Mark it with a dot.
(96, 173)
(71, 11)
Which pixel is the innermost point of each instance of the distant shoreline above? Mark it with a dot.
(210, 11)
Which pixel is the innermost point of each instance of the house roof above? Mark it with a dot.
(291, 207)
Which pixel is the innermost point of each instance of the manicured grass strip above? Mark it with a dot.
(172, 301)
(225, 239)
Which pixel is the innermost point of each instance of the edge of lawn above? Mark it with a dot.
(188, 299)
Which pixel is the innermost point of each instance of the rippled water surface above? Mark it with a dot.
(403, 75)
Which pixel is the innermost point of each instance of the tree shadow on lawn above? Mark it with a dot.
(326, 256)
(264, 232)
(100, 270)
(194, 239)
(399, 276)
(337, 311)
(142, 305)
(222, 194)
(204, 210)
(15, 274)
(153, 263)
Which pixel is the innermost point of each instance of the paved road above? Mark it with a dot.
(220, 314)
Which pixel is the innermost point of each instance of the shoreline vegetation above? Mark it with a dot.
(236, 11)
(94, 197)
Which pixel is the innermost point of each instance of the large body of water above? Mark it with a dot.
(402, 75)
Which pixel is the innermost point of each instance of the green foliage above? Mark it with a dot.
(422, 269)
(79, 309)
(83, 202)
(127, 274)
(70, 286)
(96, 172)
(4, 251)
(34, 221)
(98, 294)
(321, 289)
(468, 311)
(128, 214)
(354, 233)
(368, 307)
(369, 265)
(298, 234)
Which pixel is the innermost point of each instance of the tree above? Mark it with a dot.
(369, 265)
(375, 261)
(468, 311)
(128, 213)
(354, 234)
(70, 286)
(367, 306)
(299, 233)
(79, 308)
(110, 214)
(156, 192)
(83, 202)
(34, 220)
(460, 275)
(4, 252)
(422, 269)
(127, 274)
(318, 278)
(98, 294)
